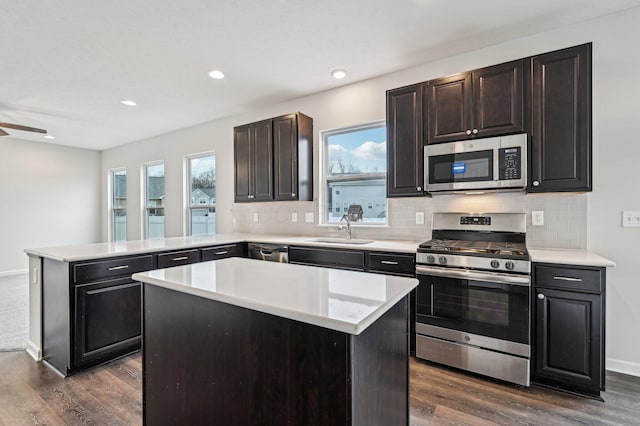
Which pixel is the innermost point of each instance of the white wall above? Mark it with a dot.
(577, 221)
(50, 197)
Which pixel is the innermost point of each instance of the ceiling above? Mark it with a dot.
(66, 65)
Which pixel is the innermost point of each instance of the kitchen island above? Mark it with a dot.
(240, 341)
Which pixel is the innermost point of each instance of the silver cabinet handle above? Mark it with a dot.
(475, 131)
(293, 194)
(468, 132)
(176, 259)
(536, 183)
(577, 280)
(540, 296)
(115, 268)
(222, 252)
(419, 188)
(388, 262)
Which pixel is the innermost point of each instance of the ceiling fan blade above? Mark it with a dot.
(3, 133)
(19, 127)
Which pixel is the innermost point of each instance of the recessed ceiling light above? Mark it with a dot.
(216, 74)
(49, 137)
(339, 74)
(128, 102)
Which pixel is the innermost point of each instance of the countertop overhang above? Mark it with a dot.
(340, 300)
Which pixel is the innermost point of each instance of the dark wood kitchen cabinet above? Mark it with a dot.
(405, 130)
(330, 257)
(292, 154)
(569, 323)
(223, 251)
(273, 159)
(480, 103)
(91, 310)
(253, 161)
(560, 134)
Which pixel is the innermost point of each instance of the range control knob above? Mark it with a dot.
(431, 258)
(509, 265)
(495, 264)
(442, 260)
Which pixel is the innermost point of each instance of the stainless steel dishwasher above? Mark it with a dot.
(269, 252)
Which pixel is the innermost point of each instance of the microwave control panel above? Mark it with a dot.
(510, 163)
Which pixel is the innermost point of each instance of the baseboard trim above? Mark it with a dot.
(624, 367)
(12, 273)
(34, 350)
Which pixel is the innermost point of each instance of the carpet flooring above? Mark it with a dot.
(14, 312)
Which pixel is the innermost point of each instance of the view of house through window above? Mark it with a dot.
(154, 200)
(202, 190)
(354, 174)
(119, 205)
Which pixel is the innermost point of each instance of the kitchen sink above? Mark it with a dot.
(341, 241)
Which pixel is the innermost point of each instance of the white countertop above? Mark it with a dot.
(345, 301)
(105, 250)
(569, 257)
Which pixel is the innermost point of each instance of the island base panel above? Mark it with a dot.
(207, 362)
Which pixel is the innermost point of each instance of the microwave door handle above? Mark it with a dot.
(425, 165)
(474, 275)
(496, 164)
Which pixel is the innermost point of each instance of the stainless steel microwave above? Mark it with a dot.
(498, 163)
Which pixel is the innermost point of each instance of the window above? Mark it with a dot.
(154, 193)
(118, 178)
(201, 185)
(354, 174)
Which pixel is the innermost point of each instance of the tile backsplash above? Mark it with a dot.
(565, 217)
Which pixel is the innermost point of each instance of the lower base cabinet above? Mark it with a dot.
(569, 327)
(107, 320)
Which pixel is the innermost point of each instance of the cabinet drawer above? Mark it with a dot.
(569, 278)
(177, 258)
(112, 268)
(343, 259)
(392, 263)
(222, 252)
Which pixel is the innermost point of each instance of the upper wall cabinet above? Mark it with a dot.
(404, 141)
(274, 159)
(253, 154)
(560, 142)
(480, 103)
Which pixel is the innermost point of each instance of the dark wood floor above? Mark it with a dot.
(33, 394)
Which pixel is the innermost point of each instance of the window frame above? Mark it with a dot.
(112, 204)
(325, 178)
(189, 206)
(145, 207)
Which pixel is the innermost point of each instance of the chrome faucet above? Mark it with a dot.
(347, 227)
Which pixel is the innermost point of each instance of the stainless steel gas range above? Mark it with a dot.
(472, 302)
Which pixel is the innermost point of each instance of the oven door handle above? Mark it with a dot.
(474, 275)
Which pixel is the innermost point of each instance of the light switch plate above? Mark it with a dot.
(419, 218)
(294, 217)
(630, 219)
(255, 217)
(537, 217)
(308, 217)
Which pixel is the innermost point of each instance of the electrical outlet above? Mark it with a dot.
(537, 218)
(308, 217)
(256, 217)
(419, 218)
(630, 219)
(294, 217)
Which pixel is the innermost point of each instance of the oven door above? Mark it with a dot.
(488, 304)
